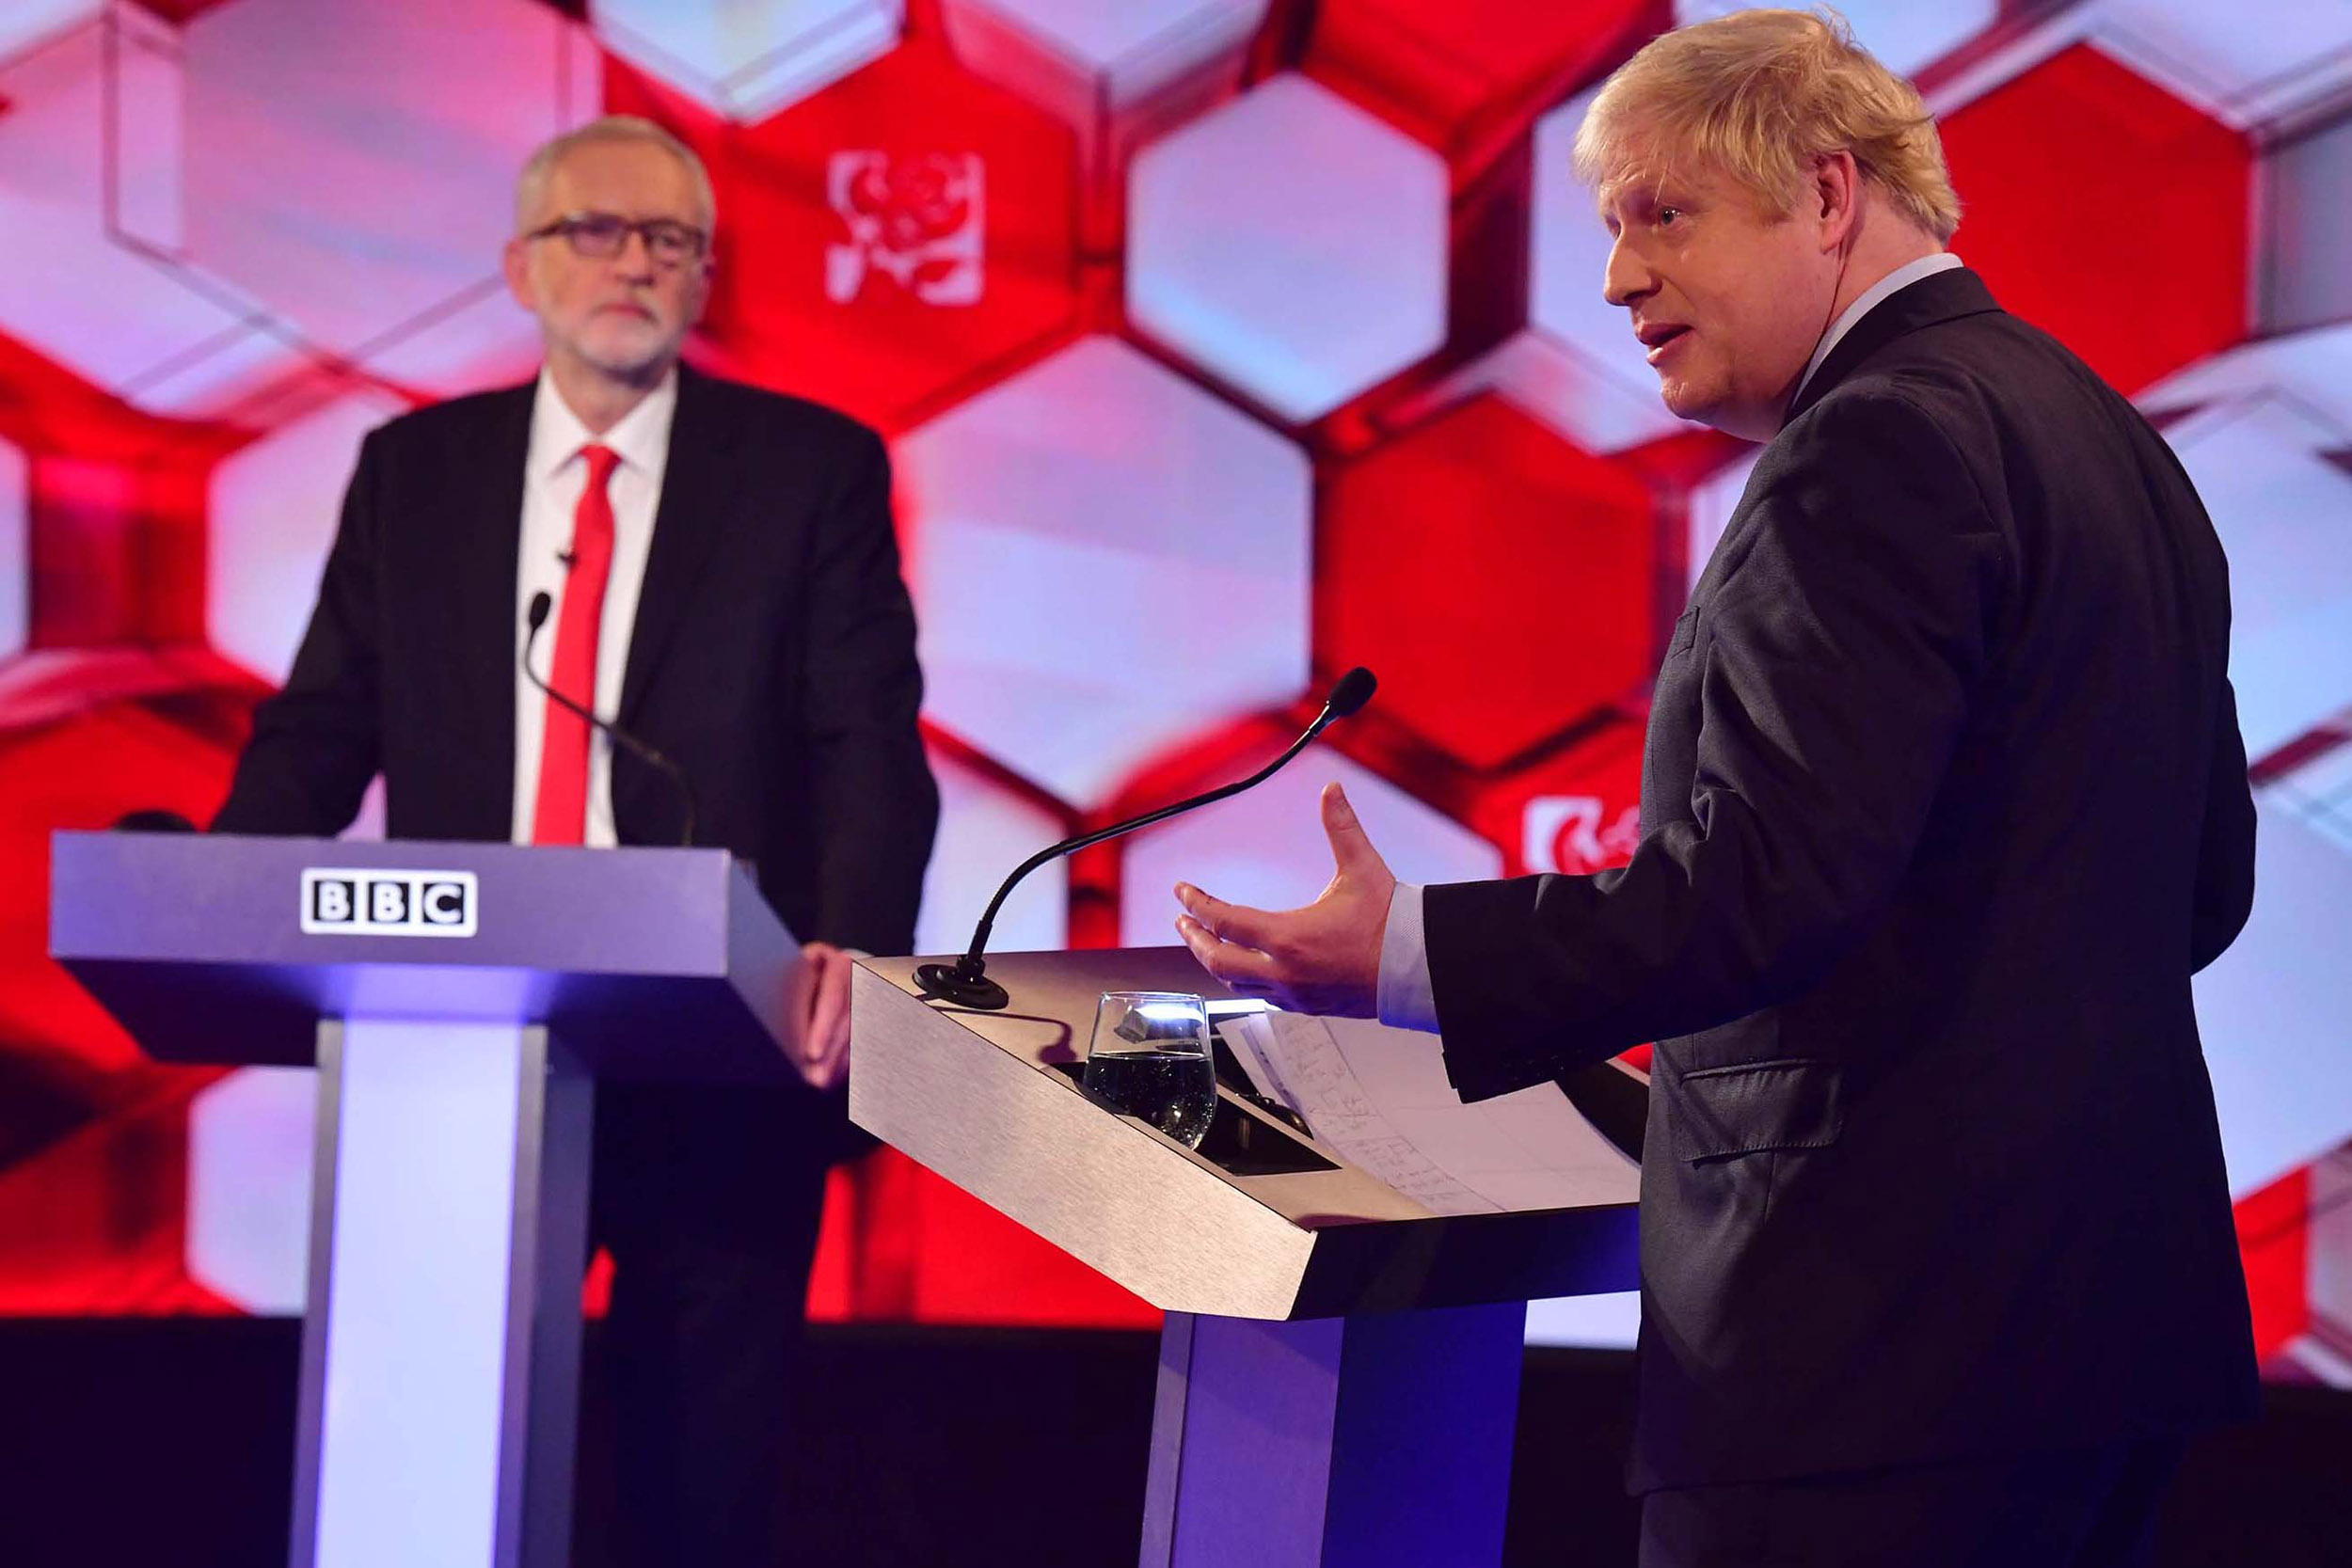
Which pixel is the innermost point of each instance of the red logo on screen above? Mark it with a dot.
(916, 219)
(1575, 834)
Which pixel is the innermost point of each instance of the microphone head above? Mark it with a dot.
(541, 603)
(1353, 691)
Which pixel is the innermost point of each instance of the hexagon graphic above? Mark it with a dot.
(1292, 245)
(748, 59)
(251, 1152)
(986, 828)
(1498, 579)
(1107, 559)
(2214, 55)
(130, 321)
(273, 510)
(1080, 56)
(1267, 848)
(352, 169)
(1462, 75)
(1905, 36)
(2312, 369)
(892, 243)
(2021, 225)
(15, 557)
(2271, 1009)
(2283, 509)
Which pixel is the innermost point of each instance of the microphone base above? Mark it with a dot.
(947, 983)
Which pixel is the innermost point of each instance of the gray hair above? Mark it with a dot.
(531, 186)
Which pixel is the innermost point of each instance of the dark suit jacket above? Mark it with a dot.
(1942, 802)
(772, 656)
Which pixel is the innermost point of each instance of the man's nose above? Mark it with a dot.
(1625, 278)
(635, 256)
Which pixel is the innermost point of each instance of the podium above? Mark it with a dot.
(1339, 1361)
(460, 1001)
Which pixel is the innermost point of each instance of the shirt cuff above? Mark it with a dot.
(1406, 999)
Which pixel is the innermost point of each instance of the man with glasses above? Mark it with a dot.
(725, 584)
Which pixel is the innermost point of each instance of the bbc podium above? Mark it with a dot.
(460, 1001)
(1340, 1360)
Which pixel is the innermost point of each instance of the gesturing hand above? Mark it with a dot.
(1323, 958)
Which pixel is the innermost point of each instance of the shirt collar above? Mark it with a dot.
(1902, 278)
(641, 437)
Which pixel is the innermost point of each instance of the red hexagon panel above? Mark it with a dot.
(897, 240)
(1498, 580)
(2139, 273)
(1463, 75)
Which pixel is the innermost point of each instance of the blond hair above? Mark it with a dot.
(1758, 95)
(531, 186)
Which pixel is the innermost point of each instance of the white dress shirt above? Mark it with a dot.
(1404, 998)
(554, 475)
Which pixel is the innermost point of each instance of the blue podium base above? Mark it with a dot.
(1380, 1441)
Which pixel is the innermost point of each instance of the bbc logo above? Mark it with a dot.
(340, 903)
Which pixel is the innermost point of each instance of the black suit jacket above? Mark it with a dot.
(772, 656)
(1943, 802)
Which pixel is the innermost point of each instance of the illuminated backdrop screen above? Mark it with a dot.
(1221, 344)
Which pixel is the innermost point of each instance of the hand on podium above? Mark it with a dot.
(1323, 958)
(822, 1009)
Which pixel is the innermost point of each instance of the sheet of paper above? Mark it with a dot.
(1381, 1097)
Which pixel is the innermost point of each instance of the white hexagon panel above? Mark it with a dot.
(1267, 848)
(274, 507)
(1107, 560)
(1291, 244)
(1077, 55)
(2271, 474)
(352, 165)
(2244, 67)
(2271, 1010)
(2312, 369)
(1904, 35)
(250, 1147)
(15, 553)
(748, 59)
(986, 828)
(130, 321)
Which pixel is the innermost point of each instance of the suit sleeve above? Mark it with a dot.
(1837, 656)
(2225, 851)
(314, 745)
(877, 807)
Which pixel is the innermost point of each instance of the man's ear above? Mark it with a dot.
(514, 262)
(1836, 192)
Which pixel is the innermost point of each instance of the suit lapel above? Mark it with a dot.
(698, 490)
(486, 508)
(1938, 297)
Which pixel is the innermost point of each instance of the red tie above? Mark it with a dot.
(561, 813)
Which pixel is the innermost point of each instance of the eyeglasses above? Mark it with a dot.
(600, 236)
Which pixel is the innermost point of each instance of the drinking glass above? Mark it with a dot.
(1148, 1058)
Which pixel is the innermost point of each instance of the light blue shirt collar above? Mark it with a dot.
(1902, 278)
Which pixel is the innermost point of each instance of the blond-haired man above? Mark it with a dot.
(724, 582)
(1944, 801)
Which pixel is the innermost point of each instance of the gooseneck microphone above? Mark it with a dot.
(540, 604)
(965, 982)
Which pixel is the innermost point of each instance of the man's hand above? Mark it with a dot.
(1323, 958)
(822, 1006)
